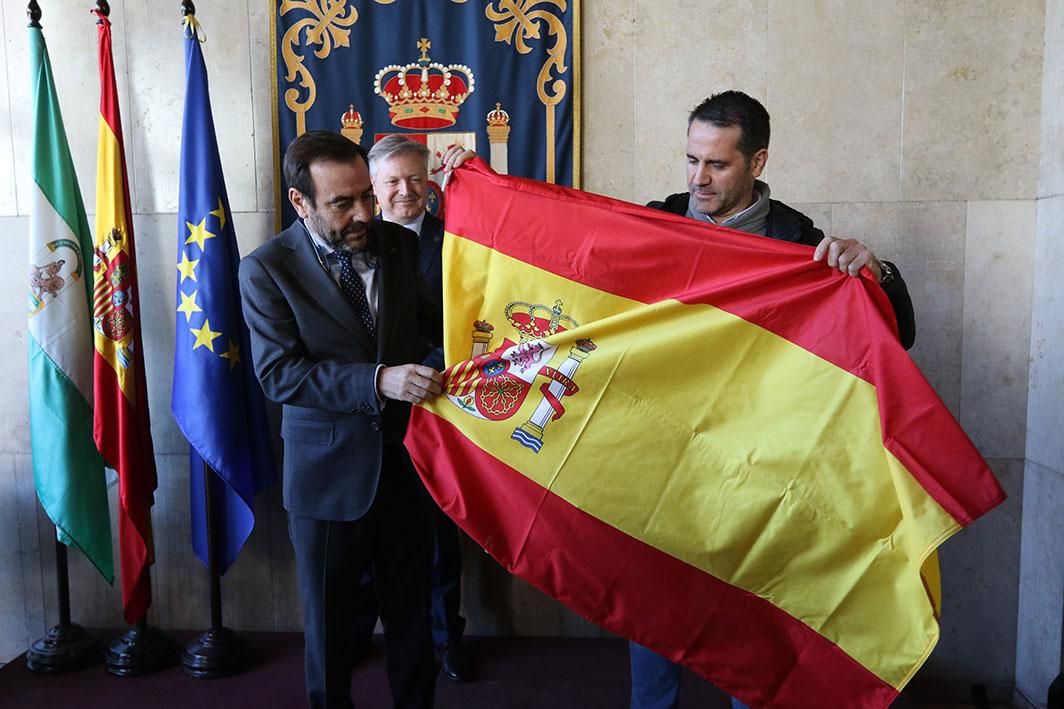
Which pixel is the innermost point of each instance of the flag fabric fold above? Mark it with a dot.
(67, 469)
(121, 422)
(217, 401)
(699, 439)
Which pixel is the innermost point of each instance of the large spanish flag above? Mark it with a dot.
(700, 439)
(121, 425)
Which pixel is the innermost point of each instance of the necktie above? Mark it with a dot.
(354, 290)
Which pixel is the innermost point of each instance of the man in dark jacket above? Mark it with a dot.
(398, 168)
(727, 149)
(333, 306)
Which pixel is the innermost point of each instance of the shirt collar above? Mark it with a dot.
(414, 226)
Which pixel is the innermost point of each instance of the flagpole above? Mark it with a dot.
(220, 651)
(66, 646)
(142, 649)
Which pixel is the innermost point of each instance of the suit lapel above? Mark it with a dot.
(305, 266)
(430, 244)
(388, 297)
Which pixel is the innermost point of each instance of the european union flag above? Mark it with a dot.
(217, 401)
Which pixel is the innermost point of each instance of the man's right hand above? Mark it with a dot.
(414, 383)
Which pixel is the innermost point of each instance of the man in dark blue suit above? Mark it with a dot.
(399, 171)
(333, 306)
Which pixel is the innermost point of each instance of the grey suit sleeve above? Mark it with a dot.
(287, 374)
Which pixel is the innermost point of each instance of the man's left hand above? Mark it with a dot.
(848, 256)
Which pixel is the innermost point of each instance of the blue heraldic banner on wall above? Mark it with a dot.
(500, 77)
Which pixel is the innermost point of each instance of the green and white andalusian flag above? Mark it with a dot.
(67, 469)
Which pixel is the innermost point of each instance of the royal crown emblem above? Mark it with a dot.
(535, 321)
(498, 124)
(351, 124)
(424, 95)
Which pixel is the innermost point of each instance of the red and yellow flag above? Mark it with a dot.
(700, 439)
(121, 424)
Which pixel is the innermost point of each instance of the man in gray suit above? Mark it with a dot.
(333, 308)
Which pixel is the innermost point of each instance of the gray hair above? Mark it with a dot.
(392, 146)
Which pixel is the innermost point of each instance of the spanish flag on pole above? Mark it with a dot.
(121, 425)
(699, 439)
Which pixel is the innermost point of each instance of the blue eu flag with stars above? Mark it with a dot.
(217, 401)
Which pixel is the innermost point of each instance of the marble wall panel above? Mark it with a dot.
(980, 572)
(262, 83)
(287, 613)
(232, 74)
(180, 583)
(926, 241)
(21, 601)
(609, 98)
(157, 79)
(820, 213)
(971, 106)
(1041, 596)
(8, 205)
(683, 53)
(1051, 167)
(834, 92)
(247, 587)
(14, 397)
(252, 230)
(1045, 416)
(70, 32)
(156, 238)
(997, 302)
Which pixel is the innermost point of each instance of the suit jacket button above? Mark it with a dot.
(375, 425)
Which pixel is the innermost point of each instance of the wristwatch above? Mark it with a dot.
(886, 271)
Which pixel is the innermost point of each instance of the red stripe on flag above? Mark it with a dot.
(108, 88)
(121, 427)
(752, 277)
(123, 439)
(736, 640)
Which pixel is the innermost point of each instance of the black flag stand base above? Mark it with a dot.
(63, 649)
(219, 652)
(67, 646)
(141, 650)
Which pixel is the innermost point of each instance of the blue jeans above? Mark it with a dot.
(656, 681)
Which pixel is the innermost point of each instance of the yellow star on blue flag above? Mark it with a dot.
(218, 405)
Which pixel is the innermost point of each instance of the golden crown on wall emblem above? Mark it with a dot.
(424, 95)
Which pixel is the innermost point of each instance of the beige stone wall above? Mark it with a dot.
(914, 125)
(1041, 594)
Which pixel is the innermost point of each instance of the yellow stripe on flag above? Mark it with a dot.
(111, 213)
(717, 488)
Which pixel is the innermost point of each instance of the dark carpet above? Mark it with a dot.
(518, 673)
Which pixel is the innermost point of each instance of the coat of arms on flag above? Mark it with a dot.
(494, 384)
(501, 78)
